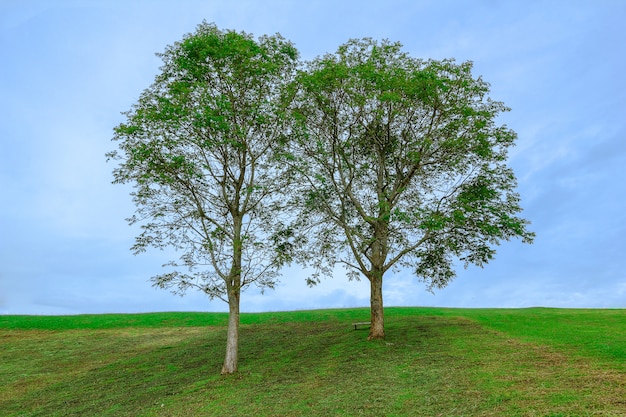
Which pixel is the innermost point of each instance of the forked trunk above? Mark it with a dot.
(232, 338)
(377, 329)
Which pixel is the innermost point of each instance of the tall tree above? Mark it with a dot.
(199, 148)
(400, 164)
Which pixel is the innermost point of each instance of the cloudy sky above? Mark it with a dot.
(69, 67)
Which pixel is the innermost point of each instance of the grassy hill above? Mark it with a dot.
(434, 362)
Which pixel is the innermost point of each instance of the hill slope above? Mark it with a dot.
(449, 362)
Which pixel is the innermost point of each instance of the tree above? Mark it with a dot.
(400, 164)
(199, 148)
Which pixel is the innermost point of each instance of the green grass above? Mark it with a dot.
(434, 362)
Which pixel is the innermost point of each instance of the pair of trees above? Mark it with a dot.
(244, 160)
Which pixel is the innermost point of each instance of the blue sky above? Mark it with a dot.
(69, 67)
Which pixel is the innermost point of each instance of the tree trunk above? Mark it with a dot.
(233, 286)
(377, 329)
(232, 338)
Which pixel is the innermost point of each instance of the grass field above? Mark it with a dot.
(434, 362)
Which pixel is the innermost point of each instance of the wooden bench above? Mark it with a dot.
(361, 323)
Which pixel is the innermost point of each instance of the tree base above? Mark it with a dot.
(376, 337)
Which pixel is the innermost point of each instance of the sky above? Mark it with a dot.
(68, 68)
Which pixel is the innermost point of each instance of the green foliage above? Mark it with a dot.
(399, 162)
(480, 362)
(198, 146)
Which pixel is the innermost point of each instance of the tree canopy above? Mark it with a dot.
(399, 164)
